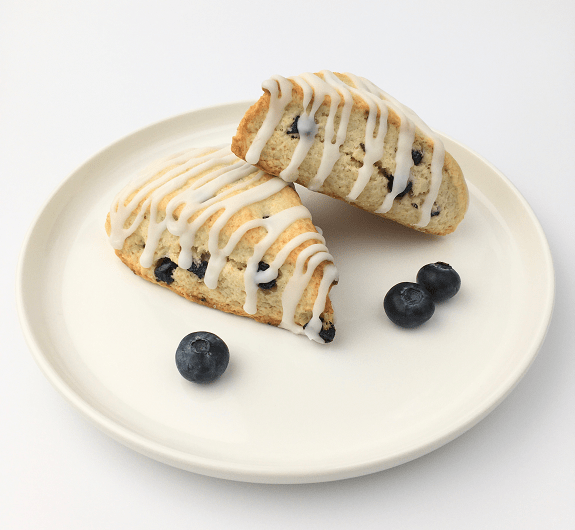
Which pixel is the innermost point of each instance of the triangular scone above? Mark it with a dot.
(341, 135)
(224, 234)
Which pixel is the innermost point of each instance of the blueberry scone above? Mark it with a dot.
(225, 234)
(341, 135)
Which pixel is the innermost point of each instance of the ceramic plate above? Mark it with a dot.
(287, 409)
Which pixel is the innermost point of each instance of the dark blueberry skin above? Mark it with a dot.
(164, 270)
(202, 357)
(327, 334)
(199, 269)
(440, 279)
(408, 305)
(401, 194)
(263, 266)
(293, 129)
(417, 157)
(405, 191)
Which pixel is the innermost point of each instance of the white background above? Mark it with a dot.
(499, 76)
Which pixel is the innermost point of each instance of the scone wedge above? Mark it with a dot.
(224, 234)
(341, 135)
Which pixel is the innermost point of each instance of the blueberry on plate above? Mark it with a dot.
(202, 357)
(440, 279)
(408, 305)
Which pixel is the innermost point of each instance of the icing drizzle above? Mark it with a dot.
(315, 90)
(218, 169)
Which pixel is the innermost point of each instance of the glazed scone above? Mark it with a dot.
(224, 234)
(341, 135)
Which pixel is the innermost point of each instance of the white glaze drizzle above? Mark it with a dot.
(315, 90)
(280, 95)
(299, 281)
(222, 169)
(307, 129)
(437, 159)
(374, 146)
(335, 90)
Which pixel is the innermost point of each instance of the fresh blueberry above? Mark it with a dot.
(199, 269)
(202, 357)
(440, 279)
(164, 270)
(417, 156)
(263, 266)
(293, 129)
(408, 305)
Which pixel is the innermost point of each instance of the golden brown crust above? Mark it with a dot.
(452, 200)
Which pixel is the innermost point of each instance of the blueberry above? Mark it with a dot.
(293, 129)
(417, 156)
(327, 334)
(405, 191)
(408, 305)
(263, 266)
(164, 270)
(440, 279)
(202, 357)
(199, 269)
(400, 195)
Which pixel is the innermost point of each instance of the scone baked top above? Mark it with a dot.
(206, 206)
(357, 143)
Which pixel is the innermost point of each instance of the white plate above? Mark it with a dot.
(287, 409)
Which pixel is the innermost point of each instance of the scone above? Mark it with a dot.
(341, 135)
(224, 234)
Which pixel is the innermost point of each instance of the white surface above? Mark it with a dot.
(288, 410)
(498, 76)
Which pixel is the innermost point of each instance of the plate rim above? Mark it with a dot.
(264, 473)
